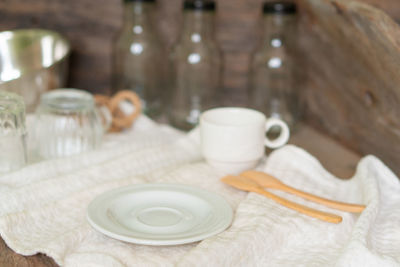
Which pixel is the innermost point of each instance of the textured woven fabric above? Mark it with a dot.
(43, 208)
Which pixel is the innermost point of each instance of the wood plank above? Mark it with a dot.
(235, 79)
(334, 157)
(391, 7)
(9, 258)
(337, 159)
(352, 79)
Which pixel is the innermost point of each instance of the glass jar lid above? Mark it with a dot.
(67, 100)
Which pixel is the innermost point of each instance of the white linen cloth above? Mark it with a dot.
(43, 208)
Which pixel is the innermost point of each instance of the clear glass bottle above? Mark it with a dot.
(272, 78)
(140, 61)
(196, 67)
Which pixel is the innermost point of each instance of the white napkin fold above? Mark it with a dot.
(43, 208)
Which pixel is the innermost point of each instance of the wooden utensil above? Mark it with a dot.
(268, 181)
(248, 185)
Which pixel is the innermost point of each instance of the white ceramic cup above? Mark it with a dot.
(234, 139)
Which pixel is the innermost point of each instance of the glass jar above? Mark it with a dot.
(13, 149)
(272, 78)
(196, 67)
(140, 61)
(69, 123)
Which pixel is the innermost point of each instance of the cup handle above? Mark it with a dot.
(283, 137)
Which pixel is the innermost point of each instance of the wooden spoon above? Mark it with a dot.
(248, 185)
(268, 181)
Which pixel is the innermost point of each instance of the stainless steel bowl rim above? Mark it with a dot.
(42, 31)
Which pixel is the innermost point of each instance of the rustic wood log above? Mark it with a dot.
(353, 78)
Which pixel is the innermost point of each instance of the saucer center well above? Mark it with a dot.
(160, 216)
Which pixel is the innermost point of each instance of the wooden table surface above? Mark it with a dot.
(334, 157)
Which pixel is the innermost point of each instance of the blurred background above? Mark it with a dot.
(348, 61)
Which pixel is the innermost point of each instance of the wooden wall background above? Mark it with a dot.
(353, 74)
(92, 25)
(350, 57)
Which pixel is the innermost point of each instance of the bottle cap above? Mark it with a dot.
(204, 5)
(279, 7)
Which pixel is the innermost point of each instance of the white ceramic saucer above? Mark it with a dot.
(159, 214)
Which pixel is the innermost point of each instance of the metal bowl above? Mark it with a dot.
(32, 61)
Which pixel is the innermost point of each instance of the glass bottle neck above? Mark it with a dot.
(277, 29)
(138, 14)
(198, 25)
